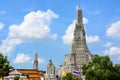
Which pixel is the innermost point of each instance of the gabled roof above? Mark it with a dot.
(15, 72)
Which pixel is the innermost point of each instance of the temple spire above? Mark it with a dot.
(35, 64)
(79, 15)
(78, 6)
(79, 46)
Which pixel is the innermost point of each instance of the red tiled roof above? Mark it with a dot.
(32, 73)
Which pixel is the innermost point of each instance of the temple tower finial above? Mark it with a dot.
(78, 6)
(35, 64)
(79, 15)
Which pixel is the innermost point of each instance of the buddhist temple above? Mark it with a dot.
(13, 74)
(79, 53)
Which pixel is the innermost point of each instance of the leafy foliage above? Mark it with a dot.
(16, 78)
(24, 74)
(101, 68)
(70, 76)
(4, 65)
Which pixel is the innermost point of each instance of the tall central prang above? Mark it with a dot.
(79, 53)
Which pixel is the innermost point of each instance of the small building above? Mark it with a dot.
(50, 71)
(13, 74)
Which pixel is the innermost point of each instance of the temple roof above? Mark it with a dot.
(15, 72)
(50, 64)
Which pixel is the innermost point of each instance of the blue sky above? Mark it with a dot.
(46, 27)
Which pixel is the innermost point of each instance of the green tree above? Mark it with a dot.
(4, 65)
(101, 68)
(24, 74)
(16, 78)
(70, 76)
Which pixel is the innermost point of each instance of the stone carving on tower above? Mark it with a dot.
(35, 64)
(50, 71)
(79, 53)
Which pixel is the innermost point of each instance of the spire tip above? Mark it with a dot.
(78, 6)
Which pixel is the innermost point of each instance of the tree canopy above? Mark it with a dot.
(24, 74)
(16, 78)
(70, 76)
(101, 68)
(4, 65)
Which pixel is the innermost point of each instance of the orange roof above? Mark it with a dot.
(27, 71)
(32, 73)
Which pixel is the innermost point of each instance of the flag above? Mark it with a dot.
(76, 72)
(0, 78)
(63, 73)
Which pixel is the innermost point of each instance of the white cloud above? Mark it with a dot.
(41, 61)
(35, 26)
(114, 30)
(108, 44)
(112, 51)
(91, 39)
(22, 58)
(118, 58)
(67, 38)
(1, 26)
(85, 20)
(2, 12)
(96, 12)
(9, 44)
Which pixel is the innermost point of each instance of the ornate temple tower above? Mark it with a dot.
(79, 53)
(50, 71)
(35, 64)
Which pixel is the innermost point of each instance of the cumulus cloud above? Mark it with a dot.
(85, 20)
(41, 61)
(2, 12)
(108, 44)
(1, 25)
(9, 44)
(91, 39)
(35, 26)
(67, 38)
(118, 58)
(112, 51)
(114, 30)
(95, 12)
(22, 58)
